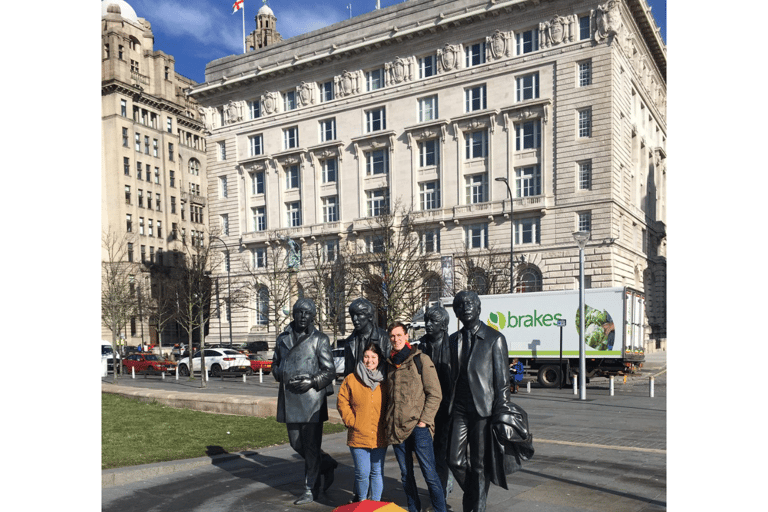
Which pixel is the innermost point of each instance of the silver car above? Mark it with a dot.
(217, 361)
(338, 361)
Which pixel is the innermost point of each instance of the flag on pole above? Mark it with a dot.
(237, 6)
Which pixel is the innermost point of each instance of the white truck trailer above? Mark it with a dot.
(614, 319)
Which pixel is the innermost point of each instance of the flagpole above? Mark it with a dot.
(243, 26)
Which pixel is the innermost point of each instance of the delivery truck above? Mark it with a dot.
(542, 330)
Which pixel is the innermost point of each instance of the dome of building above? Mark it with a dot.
(265, 10)
(121, 7)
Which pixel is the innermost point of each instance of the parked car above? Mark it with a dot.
(109, 355)
(253, 347)
(338, 361)
(217, 361)
(260, 363)
(149, 363)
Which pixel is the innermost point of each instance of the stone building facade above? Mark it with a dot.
(153, 174)
(429, 103)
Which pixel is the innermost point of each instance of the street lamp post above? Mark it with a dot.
(581, 238)
(511, 237)
(229, 290)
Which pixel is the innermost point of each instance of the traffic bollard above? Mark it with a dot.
(575, 386)
(611, 387)
(205, 375)
(133, 372)
(244, 378)
(529, 387)
(261, 376)
(163, 376)
(652, 386)
(177, 373)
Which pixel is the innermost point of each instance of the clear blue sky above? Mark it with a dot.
(196, 32)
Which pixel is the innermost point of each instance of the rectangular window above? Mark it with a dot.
(147, 173)
(225, 223)
(157, 175)
(125, 137)
(477, 236)
(123, 108)
(159, 229)
(150, 231)
(260, 257)
(430, 195)
(222, 150)
(129, 223)
(293, 211)
(476, 144)
(474, 54)
(528, 135)
(154, 148)
(527, 41)
(327, 130)
(254, 109)
(173, 204)
(330, 209)
(374, 243)
(149, 200)
(528, 87)
(143, 253)
(168, 125)
(375, 120)
(330, 250)
(170, 151)
(292, 177)
(585, 123)
(427, 66)
(527, 181)
(130, 252)
(172, 179)
(428, 108)
(377, 202)
(374, 79)
(326, 91)
(223, 190)
(585, 73)
(141, 198)
(430, 241)
(429, 153)
(585, 175)
(146, 145)
(475, 99)
(527, 231)
(157, 201)
(329, 170)
(584, 28)
(377, 162)
(126, 166)
(141, 226)
(289, 100)
(138, 170)
(584, 222)
(137, 142)
(255, 145)
(259, 218)
(291, 137)
(476, 189)
(257, 182)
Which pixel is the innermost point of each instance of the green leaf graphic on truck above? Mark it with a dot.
(598, 326)
(497, 321)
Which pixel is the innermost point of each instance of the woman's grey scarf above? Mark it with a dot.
(370, 378)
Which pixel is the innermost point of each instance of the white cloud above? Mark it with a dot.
(300, 20)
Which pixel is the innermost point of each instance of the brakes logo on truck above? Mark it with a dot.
(500, 321)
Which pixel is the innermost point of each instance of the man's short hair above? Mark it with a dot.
(395, 325)
(466, 294)
(362, 305)
(308, 303)
(439, 314)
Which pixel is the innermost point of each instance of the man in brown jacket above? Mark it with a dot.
(414, 398)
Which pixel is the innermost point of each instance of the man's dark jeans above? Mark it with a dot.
(420, 443)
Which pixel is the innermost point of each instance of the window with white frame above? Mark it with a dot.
(375, 120)
(137, 141)
(374, 79)
(223, 189)
(257, 183)
(123, 108)
(429, 153)
(159, 229)
(255, 145)
(254, 109)
(374, 243)
(150, 231)
(129, 223)
(222, 153)
(476, 236)
(141, 225)
(430, 241)
(329, 167)
(430, 195)
(527, 41)
(527, 181)
(262, 305)
(377, 202)
(330, 250)
(157, 175)
(527, 231)
(141, 198)
(331, 209)
(476, 144)
(292, 177)
(291, 137)
(584, 72)
(585, 123)
(584, 222)
(260, 257)
(475, 98)
(428, 108)
(584, 28)
(476, 188)
(259, 216)
(194, 167)
(293, 213)
(289, 100)
(125, 137)
(327, 130)
(225, 223)
(427, 66)
(585, 174)
(326, 91)
(528, 87)
(528, 135)
(377, 162)
(474, 54)
(154, 148)
(126, 166)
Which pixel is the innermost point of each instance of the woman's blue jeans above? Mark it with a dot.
(419, 443)
(369, 472)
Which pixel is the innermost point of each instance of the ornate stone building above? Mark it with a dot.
(153, 170)
(435, 104)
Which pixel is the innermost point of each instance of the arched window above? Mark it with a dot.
(478, 281)
(528, 280)
(194, 167)
(262, 305)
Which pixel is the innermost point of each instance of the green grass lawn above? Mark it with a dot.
(135, 432)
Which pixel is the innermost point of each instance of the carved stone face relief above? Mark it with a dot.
(305, 94)
(608, 18)
(498, 45)
(270, 101)
(448, 57)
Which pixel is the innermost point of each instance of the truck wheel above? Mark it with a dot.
(549, 376)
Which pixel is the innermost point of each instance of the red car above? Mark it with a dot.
(256, 364)
(147, 363)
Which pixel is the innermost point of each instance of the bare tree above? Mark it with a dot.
(485, 271)
(160, 298)
(118, 302)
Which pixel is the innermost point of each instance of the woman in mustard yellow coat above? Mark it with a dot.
(361, 403)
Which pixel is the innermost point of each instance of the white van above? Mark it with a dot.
(108, 354)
